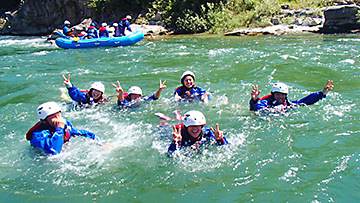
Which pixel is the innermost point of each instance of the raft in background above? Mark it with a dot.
(100, 42)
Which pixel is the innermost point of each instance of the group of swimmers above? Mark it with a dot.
(116, 30)
(52, 131)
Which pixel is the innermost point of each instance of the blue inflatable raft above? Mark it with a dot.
(100, 42)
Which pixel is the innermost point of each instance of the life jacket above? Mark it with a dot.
(102, 28)
(29, 134)
(184, 89)
(32, 129)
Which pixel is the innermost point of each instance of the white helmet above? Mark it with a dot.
(135, 90)
(280, 87)
(194, 118)
(115, 24)
(186, 73)
(128, 17)
(98, 86)
(46, 109)
(103, 24)
(66, 22)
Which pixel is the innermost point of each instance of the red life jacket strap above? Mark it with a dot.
(181, 126)
(265, 97)
(125, 95)
(30, 132)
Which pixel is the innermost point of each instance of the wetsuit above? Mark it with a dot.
(51, 140)
(124, 24)
(269, 101)
(103, 32)
(187, 140)
(194, 92)
(66, 31)
(133, 104)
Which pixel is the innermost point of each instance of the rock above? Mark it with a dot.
(285, 6)
(274, 30)
(340, 19)
(149, 30)
(287, 13)
(309, 21)
(298, 21)
(275, 21)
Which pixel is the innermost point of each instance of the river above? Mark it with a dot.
(309, 155)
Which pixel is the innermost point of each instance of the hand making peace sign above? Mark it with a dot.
(328, 87)
(119, 89)
(218, 134)
(255, 93)
(66, 80)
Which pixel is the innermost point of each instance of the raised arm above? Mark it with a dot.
(218, 135)
(161, 87)
(120, 90)
(67, 82)
(255, 93)
(328, 87)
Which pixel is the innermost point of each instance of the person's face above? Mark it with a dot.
(96, 94)
(188, 81)
(135, 97)
(280, 97)
(53, 119)
(194, 130)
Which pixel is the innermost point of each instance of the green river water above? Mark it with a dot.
(309, 155)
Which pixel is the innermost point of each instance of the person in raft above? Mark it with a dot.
(188, 90)
(193, 132)
(52, 131)
(278, 97)
(67, 30)
(92, 32)
(103, 31)
(124, 24)
(134, 96)
(94, 96)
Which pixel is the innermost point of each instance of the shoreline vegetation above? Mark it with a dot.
(158, 17)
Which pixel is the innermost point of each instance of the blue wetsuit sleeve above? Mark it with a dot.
(85, 133)
(123, 103)
(152, 97)
(50, 144)
(200, 92)
(210, 135)
(310, 99)
(173, 147)
(77, 95)
(259, 104)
